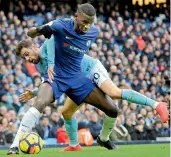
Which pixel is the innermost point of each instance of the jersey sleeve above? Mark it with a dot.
(55, 26)
(96, 32)
(50, 51)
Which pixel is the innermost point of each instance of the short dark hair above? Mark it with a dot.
(87, 9)
(26, 43)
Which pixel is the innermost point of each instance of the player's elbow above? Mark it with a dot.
(32, 32)
(29, 33)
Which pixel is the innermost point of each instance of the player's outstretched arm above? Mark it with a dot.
(42, 30)
(47, 30)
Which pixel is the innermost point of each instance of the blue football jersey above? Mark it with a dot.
(70, 46)
(47, 52)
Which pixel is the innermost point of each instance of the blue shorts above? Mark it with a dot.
(77, 87)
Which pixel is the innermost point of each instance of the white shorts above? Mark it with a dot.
(98, 74)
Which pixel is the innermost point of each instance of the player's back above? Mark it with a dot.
(70, 46)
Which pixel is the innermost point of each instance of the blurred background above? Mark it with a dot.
(133, 45)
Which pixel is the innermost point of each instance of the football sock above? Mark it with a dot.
(71, 128)
(135, 97)
(108, 124)
(28, 122)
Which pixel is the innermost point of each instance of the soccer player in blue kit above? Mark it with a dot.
(72, 39)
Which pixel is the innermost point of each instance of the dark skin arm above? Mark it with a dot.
(45, 30)
(33, 32)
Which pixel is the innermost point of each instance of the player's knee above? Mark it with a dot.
(67, 115)
(115, 93)
(113, 109)
(113, 113)
(40, 104)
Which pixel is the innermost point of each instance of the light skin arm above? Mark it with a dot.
(51, 57)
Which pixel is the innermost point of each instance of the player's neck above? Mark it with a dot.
(75, 26)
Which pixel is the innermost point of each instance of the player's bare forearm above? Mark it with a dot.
(33, 32)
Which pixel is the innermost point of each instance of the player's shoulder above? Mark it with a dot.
(60, 24)
(59, 21)
(94, 26)
(87, 57)
(94, 30)
(48, 41)
(64, 20)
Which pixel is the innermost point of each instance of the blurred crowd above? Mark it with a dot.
(134, 47)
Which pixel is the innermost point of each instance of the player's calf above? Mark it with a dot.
(69, 109)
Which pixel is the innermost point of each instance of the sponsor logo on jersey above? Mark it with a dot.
(73, 48)
(66, 44)
(77, 49)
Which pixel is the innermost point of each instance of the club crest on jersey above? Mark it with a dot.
(88, 43)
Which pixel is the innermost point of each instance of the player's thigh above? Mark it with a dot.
(98, 74)
(46, 92)
(101, 78)
(44, 96)
(69, 108)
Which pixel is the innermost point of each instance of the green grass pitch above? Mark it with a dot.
(144, 150)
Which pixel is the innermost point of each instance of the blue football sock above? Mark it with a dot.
(135, 97)
(71, 128)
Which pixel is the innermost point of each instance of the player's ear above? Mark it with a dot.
(75, 16)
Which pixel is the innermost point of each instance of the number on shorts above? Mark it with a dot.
(96, 77)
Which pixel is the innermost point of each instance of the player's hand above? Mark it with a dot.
(27, 95)
(51, 73)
